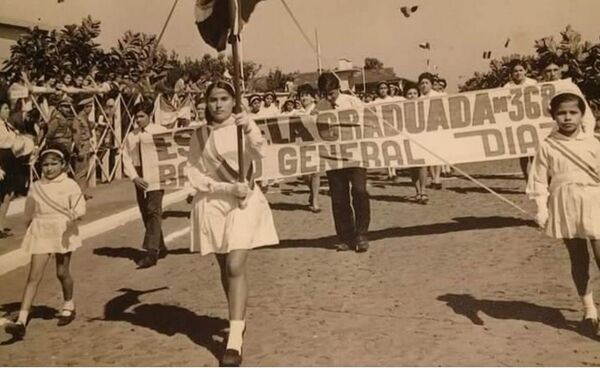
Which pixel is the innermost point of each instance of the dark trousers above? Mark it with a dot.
(150, 205)
(351, 215)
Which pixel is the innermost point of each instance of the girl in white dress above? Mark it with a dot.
(228, 218)
(565, 183)
(52, 206)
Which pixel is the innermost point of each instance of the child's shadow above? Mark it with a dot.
(469, 306)
(10, 311)
(166, 319)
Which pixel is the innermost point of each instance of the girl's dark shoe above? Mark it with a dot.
(589, 326)
(149, 260)
(231, 358)
(16, 329)
(66, 316)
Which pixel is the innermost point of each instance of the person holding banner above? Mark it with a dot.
(149, 199)
(308, 96)
(418, 175)
(518, 78)
(351, 207)
(229, 218)
(426, 81)
(565, 183)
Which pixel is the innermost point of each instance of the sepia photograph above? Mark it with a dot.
(299, 183)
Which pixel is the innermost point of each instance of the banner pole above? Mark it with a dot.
(234, 17)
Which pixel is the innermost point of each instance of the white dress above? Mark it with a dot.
(572, 195)
(218, 224)
(47, 206)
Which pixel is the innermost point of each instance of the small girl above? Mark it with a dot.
(52, 206)
(569, 203)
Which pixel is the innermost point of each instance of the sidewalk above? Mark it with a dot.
(112, 205)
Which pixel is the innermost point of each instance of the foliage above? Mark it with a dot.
(372, 63)
(276, 79)
(498, 74)
(70, 50)
(581, 58)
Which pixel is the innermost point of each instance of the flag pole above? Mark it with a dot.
(234, 17)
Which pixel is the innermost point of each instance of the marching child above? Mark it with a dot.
(52, 206)
(565, 183)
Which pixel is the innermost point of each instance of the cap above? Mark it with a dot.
(86, 101)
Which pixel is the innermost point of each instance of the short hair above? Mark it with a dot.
(328, 81)
(55, 146)
(427, 76)
(306, 89)
(552, 59)
(565, 97)
(410, 86)
(144, 106)
(382, 83)
(517, 62)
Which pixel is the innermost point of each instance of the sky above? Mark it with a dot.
(457, 30)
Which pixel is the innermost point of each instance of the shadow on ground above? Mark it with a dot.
(458, 224)
(166, 319)
(471, 307)
(133, 254)
(11, 311)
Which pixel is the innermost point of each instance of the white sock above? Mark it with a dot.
(236, 332)
(23, 315)
(588, 305)
(69, 305)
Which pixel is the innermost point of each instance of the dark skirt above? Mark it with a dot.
(10, 166)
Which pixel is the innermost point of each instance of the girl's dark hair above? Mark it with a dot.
(565, 97)
(55, 146)
(327, 82)
(410, 86)
(218, 84)
(306, 89)
(145, 106)
(516, 62)
(430, 77)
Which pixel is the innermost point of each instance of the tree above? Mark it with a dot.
(373, 64)
(498, 74)
(139, 53)
(582, 59)
(70, 50)
(276, 80)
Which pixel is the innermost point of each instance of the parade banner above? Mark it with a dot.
(476, 126)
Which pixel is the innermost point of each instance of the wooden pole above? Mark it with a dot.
(234, 16)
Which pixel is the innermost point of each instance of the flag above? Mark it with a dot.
(425, 45)
(212, 20)
(487, 54)
(407, 11)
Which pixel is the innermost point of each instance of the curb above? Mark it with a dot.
(17, 258)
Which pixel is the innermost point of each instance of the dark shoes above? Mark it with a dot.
(162, 253)
(66, 316)
(589, 326)
(16, 329)
(437, 186)
(231, 358)
(362, 245)
(149, 259)
(342, 247)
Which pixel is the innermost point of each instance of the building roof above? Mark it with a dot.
(21, 23)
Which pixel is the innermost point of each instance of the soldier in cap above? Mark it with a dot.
(84, 126)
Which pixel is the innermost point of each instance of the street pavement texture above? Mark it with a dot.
(465, 280)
